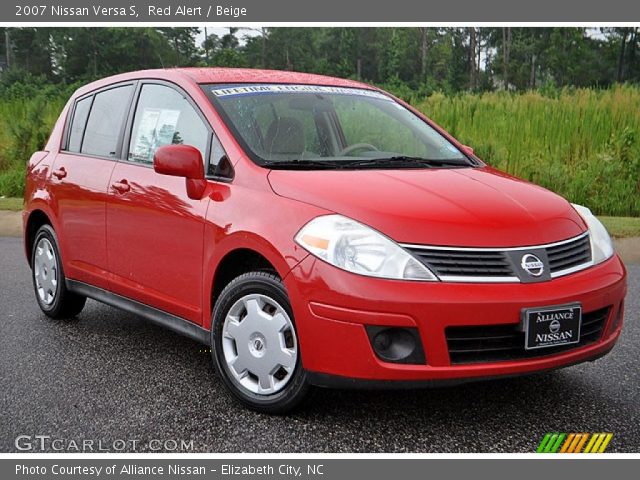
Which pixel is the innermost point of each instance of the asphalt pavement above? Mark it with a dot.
(127, 385)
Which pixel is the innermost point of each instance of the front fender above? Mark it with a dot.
(254, 219)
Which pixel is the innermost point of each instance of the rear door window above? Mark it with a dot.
(107, 116)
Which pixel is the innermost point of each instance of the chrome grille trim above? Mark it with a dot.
(469, 279)
(493, 249)
(578, 247)
(577, 268)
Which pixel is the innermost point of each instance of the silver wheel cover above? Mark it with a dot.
(259, 344)
(45, 271)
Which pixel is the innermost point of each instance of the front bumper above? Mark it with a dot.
(332, 308)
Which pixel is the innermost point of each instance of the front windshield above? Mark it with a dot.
(329, 127)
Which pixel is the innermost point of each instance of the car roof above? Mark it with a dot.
(224, 76)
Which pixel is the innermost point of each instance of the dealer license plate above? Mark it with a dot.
(552, 326)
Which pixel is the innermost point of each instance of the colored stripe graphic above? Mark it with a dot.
(574, 442)
(543, 443)
(596, 445)
(555, 447)
(605, 442)
(578, 440)
(582, 441)
(551, 442)
(568, 443)
(592, 441)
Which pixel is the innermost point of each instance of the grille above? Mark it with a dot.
(569, 255)
(464, 263)
(492, 264)
(495, 343)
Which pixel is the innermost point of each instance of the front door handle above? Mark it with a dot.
(121, 187)
(59, 173)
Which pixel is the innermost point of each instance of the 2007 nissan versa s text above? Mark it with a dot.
(313, 231)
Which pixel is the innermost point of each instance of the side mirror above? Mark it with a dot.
(467, 150)
(182, 161)
(179, 161)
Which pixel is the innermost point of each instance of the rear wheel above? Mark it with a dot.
(255, 347)
(48, 278)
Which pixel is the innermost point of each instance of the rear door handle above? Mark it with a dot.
(60, 173)
(121, 187)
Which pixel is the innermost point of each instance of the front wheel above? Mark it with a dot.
(255, 347)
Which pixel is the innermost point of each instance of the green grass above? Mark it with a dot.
(621, 227)
(11, 203)
(583, 144)
(25, 125)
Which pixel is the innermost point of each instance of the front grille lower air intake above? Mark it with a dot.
(496, 343)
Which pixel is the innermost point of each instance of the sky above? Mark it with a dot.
(220, 31)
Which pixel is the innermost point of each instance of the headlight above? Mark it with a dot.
(601, 245)
(356, 248)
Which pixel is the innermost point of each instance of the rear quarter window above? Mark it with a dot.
(78, 123)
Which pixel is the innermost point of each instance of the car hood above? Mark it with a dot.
(479, 207)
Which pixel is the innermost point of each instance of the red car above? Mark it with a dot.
(313, 231)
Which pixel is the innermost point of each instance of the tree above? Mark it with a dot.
(424, 51)
(211, 44)
(186, 52)
(506, 51)
(292, 49)
(416, 61)
(472, 56)
(86, 53)
(624, 33)
(29, 50)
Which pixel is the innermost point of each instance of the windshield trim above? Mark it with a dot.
(207, 88)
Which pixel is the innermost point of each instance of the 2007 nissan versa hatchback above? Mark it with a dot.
(313, 231)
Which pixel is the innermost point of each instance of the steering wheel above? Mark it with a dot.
(356, 146)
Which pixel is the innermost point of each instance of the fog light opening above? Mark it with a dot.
(396, 344)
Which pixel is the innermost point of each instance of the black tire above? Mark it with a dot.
(297, 387)
(65, 304)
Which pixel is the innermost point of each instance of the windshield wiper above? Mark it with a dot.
(300, 164)
(399, 161)
(404, 161)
